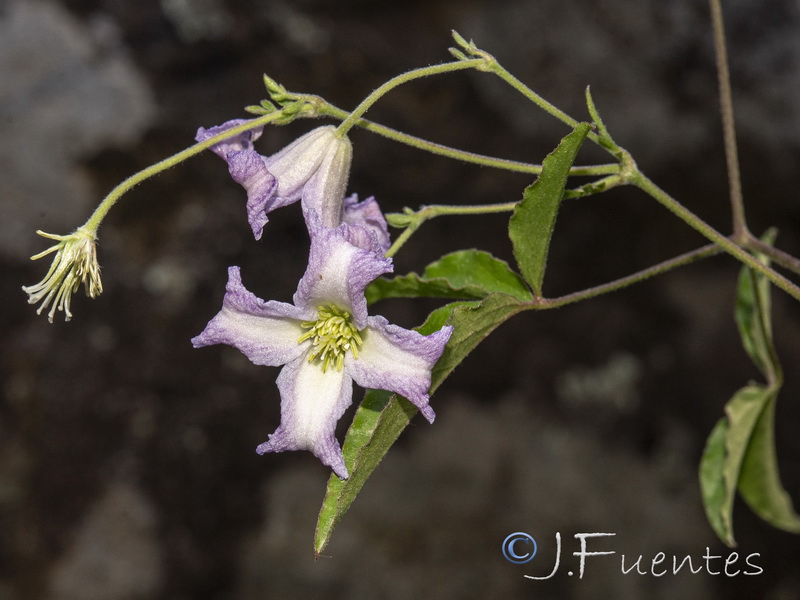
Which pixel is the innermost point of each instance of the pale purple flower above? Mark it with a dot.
(325, 340)
(314, 169)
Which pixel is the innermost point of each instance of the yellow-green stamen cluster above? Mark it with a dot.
(333, 335)
(75, 263)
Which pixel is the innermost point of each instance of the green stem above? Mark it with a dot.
(359, 111)
(93, 223)
(437, 210)
(740, 231)
(617, 284)
(779, 257)
(496, 68)
(325, 108)
(401, 240)
(596, 187)
(639, 180)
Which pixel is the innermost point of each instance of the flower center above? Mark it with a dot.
(332, 335)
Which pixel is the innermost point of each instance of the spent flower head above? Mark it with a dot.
(75, 262)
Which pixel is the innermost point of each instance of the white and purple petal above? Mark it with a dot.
(296, 163)
(399, 360)
(265, 332)
(312, 402)
(367, 214)
(236, 143)
(338, 271)
(324, 191)
(248, 169)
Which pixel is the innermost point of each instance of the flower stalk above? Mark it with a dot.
(483, 160)
(362, 108)
(740, 230)
(75, 260)
(412, 220)
(93, 223)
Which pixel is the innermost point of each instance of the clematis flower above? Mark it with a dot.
(314, 169)
(326, 340)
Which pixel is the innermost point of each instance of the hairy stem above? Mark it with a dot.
(93, 223)
(779, 257)
(469, 157)
(415, 219)
(523, 89)
(401, 240)
(618, 284)
(359, 111)
(740, 231)
(696, 223)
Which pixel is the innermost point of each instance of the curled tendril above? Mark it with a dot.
(75, 262)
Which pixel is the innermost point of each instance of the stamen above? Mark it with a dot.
(332, 335)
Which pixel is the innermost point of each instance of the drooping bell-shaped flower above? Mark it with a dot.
(313, 169)
(326, 340)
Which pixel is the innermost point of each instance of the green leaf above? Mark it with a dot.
(603, 137)
(407, 218)
(740, 453)
(759, 483)
(717, 498)
(363, 448)
(722, 460)
(753, 317)
(465, 275)
(382, 416)
(531, 226)
(472, 322)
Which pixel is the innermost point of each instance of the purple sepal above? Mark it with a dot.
(265, 332)
(338, 270)
(247, 168)
(237, 143)
(312, 402)
(367, 214)
(399, 360)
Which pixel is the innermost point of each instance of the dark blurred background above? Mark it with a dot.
(127, 463)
